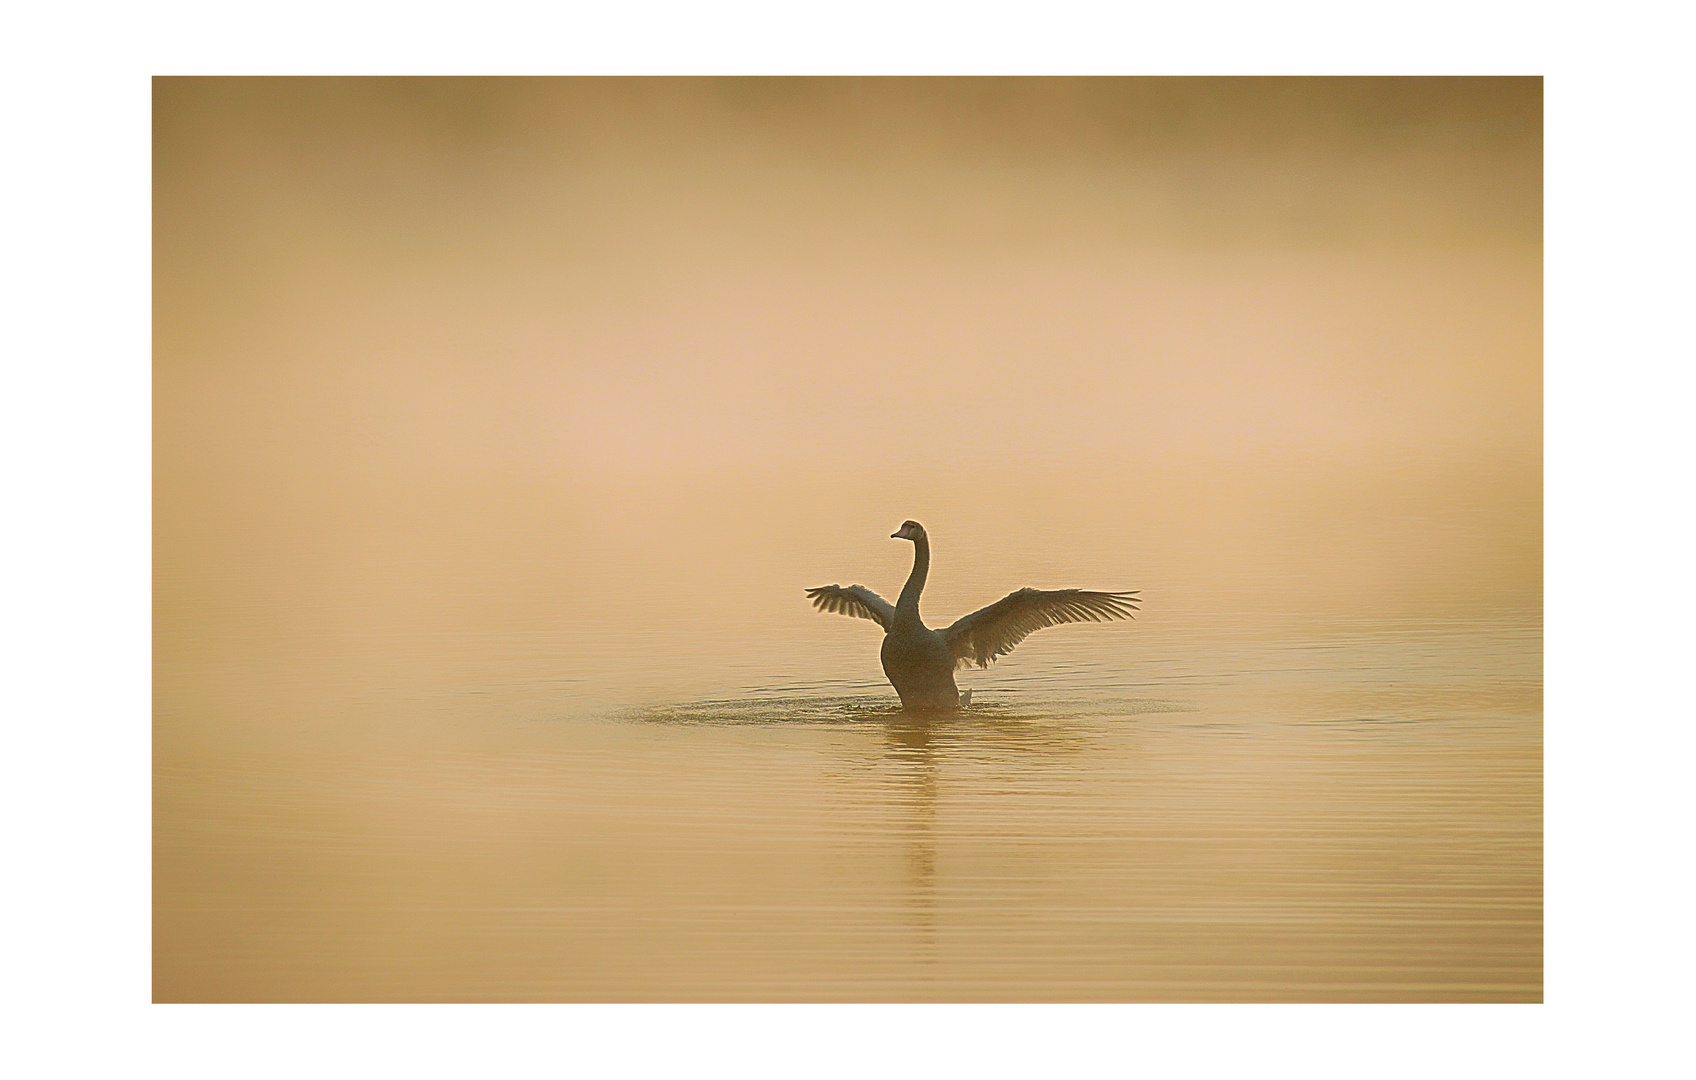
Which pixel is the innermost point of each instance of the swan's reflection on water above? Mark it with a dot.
(911, 742)
(918, 754)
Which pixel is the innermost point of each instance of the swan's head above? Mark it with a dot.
(909, 530)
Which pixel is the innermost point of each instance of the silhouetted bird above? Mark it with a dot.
(920, 662)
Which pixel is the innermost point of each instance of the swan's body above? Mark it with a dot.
(919, 666)
(920, 662)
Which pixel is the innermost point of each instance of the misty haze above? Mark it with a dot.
(501, 427)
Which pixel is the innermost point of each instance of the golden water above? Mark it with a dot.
(486, 499)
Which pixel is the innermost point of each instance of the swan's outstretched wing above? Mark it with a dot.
(984, 635)
(856, 600)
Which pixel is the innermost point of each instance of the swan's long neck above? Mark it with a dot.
(909, 603)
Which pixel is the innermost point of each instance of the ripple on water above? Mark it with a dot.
(859, 708)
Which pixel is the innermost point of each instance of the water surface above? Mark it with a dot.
(1209, 809)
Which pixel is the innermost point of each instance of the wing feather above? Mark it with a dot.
(992, 632)
(856, 601)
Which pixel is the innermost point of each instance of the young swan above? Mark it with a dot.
(920, 662)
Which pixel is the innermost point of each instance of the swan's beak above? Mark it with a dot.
(895, 536)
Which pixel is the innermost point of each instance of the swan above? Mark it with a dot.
(920, 662)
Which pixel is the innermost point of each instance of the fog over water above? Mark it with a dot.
(500, 426)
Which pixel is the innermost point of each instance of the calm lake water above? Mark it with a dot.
(679, 800)
(500, 427)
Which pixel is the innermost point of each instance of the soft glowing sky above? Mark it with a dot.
(613, 273)
(1276, 336)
